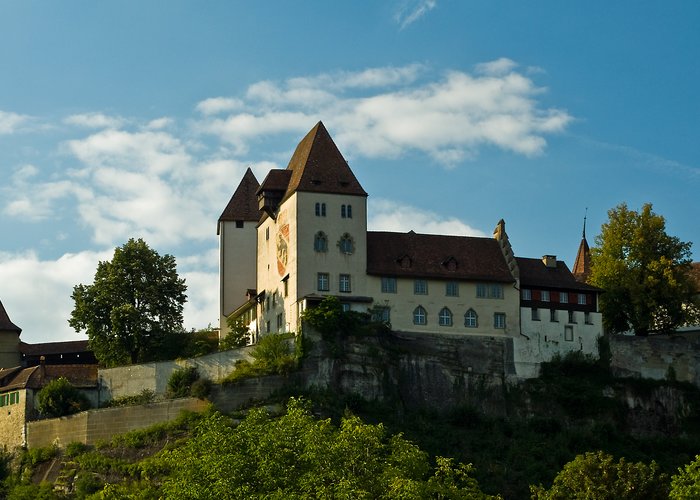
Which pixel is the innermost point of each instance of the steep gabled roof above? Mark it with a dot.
(243, 205)
(5, 324)
(582, 264)
(435, 256)
(318, 167)
(534, 273)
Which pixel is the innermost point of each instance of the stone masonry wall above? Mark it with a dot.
(91, 426)
(133, 379)
(12, 422)
(652, 356)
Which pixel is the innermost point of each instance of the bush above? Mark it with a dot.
(146, 396)
(87, 483)
(75, 448)
(59, 398)
(180, 382)
(273, 354)
(237, 336)
(200, 388)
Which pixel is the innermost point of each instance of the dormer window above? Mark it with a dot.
(450, 264)
(404, 262)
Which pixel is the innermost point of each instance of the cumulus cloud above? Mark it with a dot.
(94, 120)
(387, 215)
(215, 105)
(411, 11)
(11, 122)
(448, 118)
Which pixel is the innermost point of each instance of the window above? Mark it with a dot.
(388, 285)
(471, 320)
(582, 299)
(481, 290)
(564, 297)
(280, 322)
(569, 333)
(342, 211)
(286, 285)
(535, 314)
(496, 292)
(346, 211)
(445, 317)
(545, 296)
(587, 318)
(382, 314)
(344, 283)
(452, 289)
(346, 245)
(322, 281)
(274, 299)
(420, 287)
(553, 315)
(349, 211)
(320, 209)
(526, 294)
(499, 320)
(321, 242)
(345, 306)
(572, 317)
(267, 233)
(267, 327)
(419, 316)
(239, 224)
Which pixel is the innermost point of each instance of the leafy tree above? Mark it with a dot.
(686, 484)
(644, 272)
(133, 310)
(597, 475)
(59, 398)
(237, 336)
(297, 456)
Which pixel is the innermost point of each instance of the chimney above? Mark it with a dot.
(550, 261)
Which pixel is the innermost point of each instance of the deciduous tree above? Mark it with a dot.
(133, 309)
(644, 272)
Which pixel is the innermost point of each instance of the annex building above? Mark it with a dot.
(301, 235)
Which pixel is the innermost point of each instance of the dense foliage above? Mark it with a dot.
(298, 456)
(272, 355)
(597, 476)
(644, 272)
(59, 398)
(133, 310)
(237, 336)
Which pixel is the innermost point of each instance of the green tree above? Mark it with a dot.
(238, 335)
(644, 272)
(298, 456)
(133, 310)
(686, 484)
(59, 398)
(597, 476)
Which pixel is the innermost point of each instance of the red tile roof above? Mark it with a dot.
(275, 180)
(243, 205)
(435, 256)
(534, 273)
(36, 377)
(5, 324)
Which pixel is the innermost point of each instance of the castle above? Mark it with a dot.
(302, 235)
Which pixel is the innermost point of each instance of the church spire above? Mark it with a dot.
(582, 265)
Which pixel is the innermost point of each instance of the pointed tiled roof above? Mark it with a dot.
(582, 264)
(243, 205)
(318, 166)
(435, 256)
(5, 324)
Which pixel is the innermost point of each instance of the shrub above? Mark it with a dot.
(86, 483)
(144, 397)
(200, 388)
(273, 354)
(59, 398)
(75, 448)
(181, 381)
(237, 336)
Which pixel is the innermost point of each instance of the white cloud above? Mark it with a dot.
(449, 118)
(159, 123)
(94, 120)
(216, 105)
(387, 215)
(412, 10)
(11, 122)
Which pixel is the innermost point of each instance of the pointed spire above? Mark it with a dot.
(243, 205)
(582, 265)
(5, 324)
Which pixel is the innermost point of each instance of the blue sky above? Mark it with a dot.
(137, 119)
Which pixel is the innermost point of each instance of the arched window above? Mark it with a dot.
(318, 210)
(346, 244)
(419, 316)
(321, 242)
(471, 320)
(342, 211)
(349, 211)
(445, 317)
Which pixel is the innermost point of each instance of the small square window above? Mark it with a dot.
(545, 295)
(535, 314)
(420, 287)
(345, 306)
(587, 318)
(572, 317)
(526, 294)
(239, 224)
(553, 315)
(481, 291)
(388, 285)
(569, 333)
(499, 320)
(496, 291)
(564, 297)
(452, 289)
(582, 299)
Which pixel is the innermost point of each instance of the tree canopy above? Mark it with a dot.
(59, 398)
(133, 310)
(644, 272)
